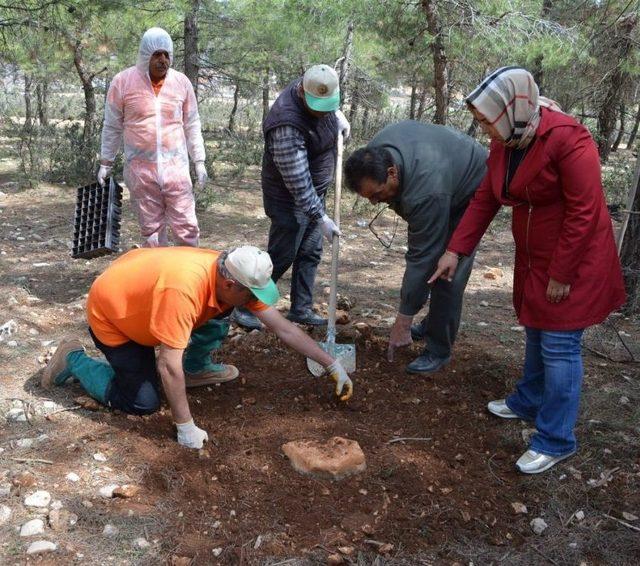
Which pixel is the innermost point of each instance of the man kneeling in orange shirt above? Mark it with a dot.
(175, 298)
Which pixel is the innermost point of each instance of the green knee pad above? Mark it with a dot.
(205, 339)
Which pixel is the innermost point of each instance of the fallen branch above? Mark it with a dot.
(74, 408)
(32, 460)
(405, 438)
(629, 526)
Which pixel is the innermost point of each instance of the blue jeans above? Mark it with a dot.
(549, 391)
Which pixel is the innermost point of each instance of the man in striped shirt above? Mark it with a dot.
(298, 166)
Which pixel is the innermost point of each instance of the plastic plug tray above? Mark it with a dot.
(96, 225)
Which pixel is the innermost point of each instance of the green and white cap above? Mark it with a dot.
(321, 88)
(252, 268)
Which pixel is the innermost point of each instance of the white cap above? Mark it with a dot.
(321, 88)
(252, 268)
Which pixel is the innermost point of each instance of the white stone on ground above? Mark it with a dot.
(16, 415)
(39, 498)
(56, 505)
(5, 514)
(142, 543)
(538, 525)
(110, 530)
(31, 528)
(99, 457)
(217, 552)
(72, 476)
(41, 546)
(107, 490)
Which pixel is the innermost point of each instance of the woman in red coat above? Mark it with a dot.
(567, 274)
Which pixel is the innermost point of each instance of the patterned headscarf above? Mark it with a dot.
(509, 99)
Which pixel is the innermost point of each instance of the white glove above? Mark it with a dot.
(103, 173)
(201, 174)
(329, 228)
(190, 435)
(339, 375)
(344, 127)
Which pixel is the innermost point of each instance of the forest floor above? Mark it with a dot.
(452, 496)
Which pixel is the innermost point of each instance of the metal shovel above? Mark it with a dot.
(344, 353)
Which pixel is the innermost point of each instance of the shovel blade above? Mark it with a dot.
(344, 353)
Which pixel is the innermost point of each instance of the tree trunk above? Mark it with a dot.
(412, 100)
(191, 53)
(422, 101)
(440, 63)
(538, 71)
(620, 135)
(86, 78)
(630, 246)
(232, 116)
(265, 94)
(42, 99)
(28, 106)
(617, 82)
(634, 131)
(345, 61)
(473, 128)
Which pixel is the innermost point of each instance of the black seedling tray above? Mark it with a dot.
(96, 225)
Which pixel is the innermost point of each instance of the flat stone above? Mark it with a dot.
(16, 414)
(31, 528)
(38, 499)
(519, 508)
(73, 477)
(5, 514)
(493, 273)
(334, 459)
(107, 491)
(99, 457)
(40, 547)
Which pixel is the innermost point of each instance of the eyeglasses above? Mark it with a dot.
(383, 237)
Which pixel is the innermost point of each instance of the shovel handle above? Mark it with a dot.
(335, 253)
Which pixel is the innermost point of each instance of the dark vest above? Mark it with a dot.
(320, 136)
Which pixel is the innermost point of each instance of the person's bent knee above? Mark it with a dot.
(147, 400)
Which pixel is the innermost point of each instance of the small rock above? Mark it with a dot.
(482, 324)
(31, 528)
(204, 454)
(87, 403)
(110, 530)
(60, 520)
(40, 547)
(624, 400)
(142, 543)
(493, 273)
(342, 317)
(517, 328)
(629, 516)
(363, 328)
(519, 508)
(72, 476)
(99, 457)
(334, 560)
(107, 491)
(538, 525)
(484, 303)
(579, 515)
(346, 550)
(385, 548)
(16, 414)
(5, 514)
(57, 504)
(249, 401)
(24, 442)
(25, 479)
(39, 498)
(335, 459)
(126, 491)
(86, 503)
(5, 490)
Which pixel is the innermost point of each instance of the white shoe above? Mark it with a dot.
(499, 409)
(532, 462)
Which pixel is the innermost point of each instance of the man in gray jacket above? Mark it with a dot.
(427, 174)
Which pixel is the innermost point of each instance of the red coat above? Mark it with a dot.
(561, 226)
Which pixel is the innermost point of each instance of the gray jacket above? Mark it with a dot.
(439, 170)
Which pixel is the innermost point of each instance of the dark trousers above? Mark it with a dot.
(294, 240)
(135, 387)
(440, 326)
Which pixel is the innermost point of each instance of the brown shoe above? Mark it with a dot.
(57, 371)
(229, 373)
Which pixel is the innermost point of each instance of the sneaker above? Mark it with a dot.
(307, 317)
(57, 371)
(208, 377)
(246, 319)
(499, 409)
(427, 363)
(532, 462)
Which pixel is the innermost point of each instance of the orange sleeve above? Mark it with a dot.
(256, 306)
(173, 317)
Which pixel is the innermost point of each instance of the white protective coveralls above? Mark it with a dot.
(160, 133)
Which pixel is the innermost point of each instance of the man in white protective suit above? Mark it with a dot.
(154, 109)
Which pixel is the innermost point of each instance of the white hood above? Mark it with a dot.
(154, 39)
